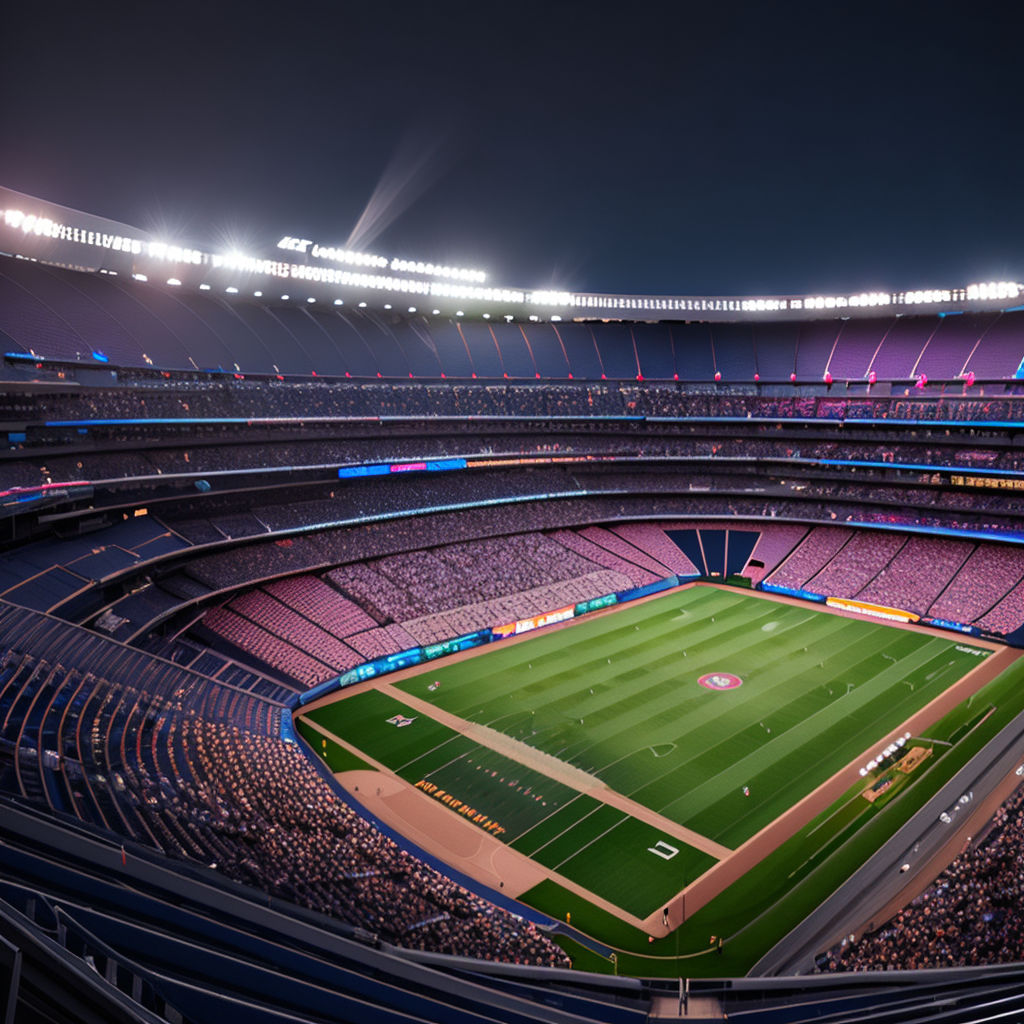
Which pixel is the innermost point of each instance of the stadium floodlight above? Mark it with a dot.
(487, 316)
(412, 309)
(362, 305)
(258, 294)
(204, 287)
(994, 290)
(174, 253)
(334, 254)
(437, 270)
(927, 296)
(870, 299)
(387, 305)
(459, 312)
(339, 302)
(556, 319)
(174, 281)
(140, 277)
(444, 290)
(550, 298)
(231, 290)
(285, 298)
(436, 312)
(310, 299)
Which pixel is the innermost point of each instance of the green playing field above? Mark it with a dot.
(716, 709)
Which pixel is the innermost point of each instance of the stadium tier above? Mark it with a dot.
(282, 677)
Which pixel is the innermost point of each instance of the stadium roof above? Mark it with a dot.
(301, 270)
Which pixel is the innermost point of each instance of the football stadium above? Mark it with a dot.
(382, 643)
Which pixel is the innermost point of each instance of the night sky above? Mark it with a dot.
(682, 148)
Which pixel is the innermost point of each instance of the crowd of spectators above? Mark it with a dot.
(584, 543)
(861, 558)
(941, 577)
(630, 554)
(207, 778)
(267, 646)
(969, 916)
(379, 606)
(322, 604)
(920, 571)
(989, 574)
(370, 540)
(818, 548)
(218, 398)
(733, 444)
(431, 594)
(499, 611)
(381, 641)
(1007, 615)
(287, 833)
(775, 542)
(267, 611)
(374, 539)
(805, 497)
(314, 628)
(148, 460)
(652, 539)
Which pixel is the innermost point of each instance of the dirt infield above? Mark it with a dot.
(468, 849)
(457, 842)
(452, 839)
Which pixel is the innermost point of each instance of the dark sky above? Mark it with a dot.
(714, 148)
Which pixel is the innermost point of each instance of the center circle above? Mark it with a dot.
(720, 681)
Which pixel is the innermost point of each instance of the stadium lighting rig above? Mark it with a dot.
(35, 229)
(350, 257)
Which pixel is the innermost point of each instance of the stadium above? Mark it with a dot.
(379, 643)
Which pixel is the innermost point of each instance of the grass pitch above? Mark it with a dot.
(620, 697)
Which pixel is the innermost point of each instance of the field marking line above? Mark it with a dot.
(671, 828)
(596, 839)
(436, 746)
(361, 754)
(753, 754)
(569, 775)
(914, 627)
(427, 840)
(565, 831)
(839, 809)
(776, 832)
(557, 810)
(717, 878)
(863, 690)
(695, 669)
(501, 743)
(439, 768)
